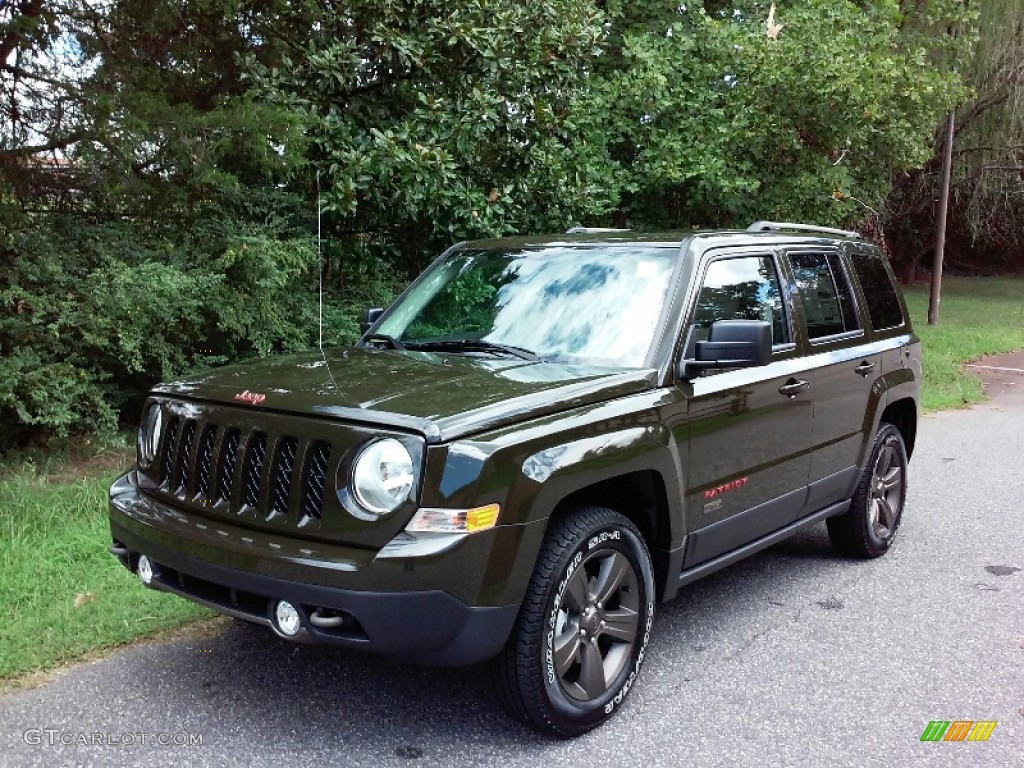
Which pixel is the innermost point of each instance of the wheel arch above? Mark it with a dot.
(902, 414)
(642, 497)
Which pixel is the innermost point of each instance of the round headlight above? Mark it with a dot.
(149, 433)
(382, 477)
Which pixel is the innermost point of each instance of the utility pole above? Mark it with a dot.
(940, 224)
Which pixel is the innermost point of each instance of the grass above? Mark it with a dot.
(63, 595)
(66, 597)
(978, 316)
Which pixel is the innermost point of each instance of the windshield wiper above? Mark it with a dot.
(395, 343)
(475, 345)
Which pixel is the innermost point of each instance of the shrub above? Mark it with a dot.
(91, 315)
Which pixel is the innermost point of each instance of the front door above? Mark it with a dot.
(749, 429)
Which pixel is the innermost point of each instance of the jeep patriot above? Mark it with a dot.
(540, 440)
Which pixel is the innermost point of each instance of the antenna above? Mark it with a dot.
(319, 261)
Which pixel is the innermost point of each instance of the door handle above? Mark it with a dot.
(865, 368)
(794, 387)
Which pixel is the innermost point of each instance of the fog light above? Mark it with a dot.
(145, 570)
(287, 618)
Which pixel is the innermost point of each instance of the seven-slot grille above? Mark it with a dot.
(226, 467)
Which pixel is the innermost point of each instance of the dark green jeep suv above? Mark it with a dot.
(540, 440)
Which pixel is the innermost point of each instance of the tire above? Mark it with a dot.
(582, 630)
(869, 528)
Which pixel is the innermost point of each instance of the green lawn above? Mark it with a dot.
(978, 316)
(65, 596)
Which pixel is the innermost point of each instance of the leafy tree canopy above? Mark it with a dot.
(433, 121)
(716, 119)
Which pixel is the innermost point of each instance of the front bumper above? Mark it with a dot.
(344, 595)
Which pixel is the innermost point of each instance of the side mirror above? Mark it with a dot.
(731, 344)
(368, 317)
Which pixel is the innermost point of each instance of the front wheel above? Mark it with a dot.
(869, 528)
(583, 627)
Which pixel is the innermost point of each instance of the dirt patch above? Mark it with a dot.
(1002, 377)
(83, 467)
(69, 459)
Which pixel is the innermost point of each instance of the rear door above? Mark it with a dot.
(749, 429)
(843, 368)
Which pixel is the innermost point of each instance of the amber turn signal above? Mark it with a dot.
(431, 519)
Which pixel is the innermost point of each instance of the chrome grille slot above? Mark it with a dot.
(204, 460)
(316, 470)
(185, 456)
(253, 468)
(281, 476)
(226, 465)
(170, 445)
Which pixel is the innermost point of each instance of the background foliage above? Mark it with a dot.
(714, 122)
(160, 160)
(986, 225)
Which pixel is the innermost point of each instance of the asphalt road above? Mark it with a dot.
(795, 657)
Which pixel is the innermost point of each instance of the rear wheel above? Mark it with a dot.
(869, 528)
(583, 628)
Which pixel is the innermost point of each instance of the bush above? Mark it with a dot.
(94, 314)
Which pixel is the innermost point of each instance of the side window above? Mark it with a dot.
(741, 288)
(825, 294)
(879, 291)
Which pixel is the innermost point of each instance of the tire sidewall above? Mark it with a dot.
(888, 435)
(562, 708)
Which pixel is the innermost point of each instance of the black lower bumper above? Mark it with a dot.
(429, 628)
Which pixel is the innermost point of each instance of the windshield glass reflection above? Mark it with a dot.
(594, 304)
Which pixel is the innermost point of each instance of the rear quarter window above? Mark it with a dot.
(825, 294)
(879, 290)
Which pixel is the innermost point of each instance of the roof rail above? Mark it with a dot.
(779, 226)
(592, 230)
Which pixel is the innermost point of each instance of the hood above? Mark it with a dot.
(443, 396)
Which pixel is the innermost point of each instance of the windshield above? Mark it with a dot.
(594, 304)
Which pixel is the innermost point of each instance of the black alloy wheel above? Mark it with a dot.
(597, 624)
(869, 528)
(582, 631)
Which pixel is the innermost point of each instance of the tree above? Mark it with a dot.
(987, 208)
(435, 121)
(38, 118)
(714, 121)
(148, 226)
